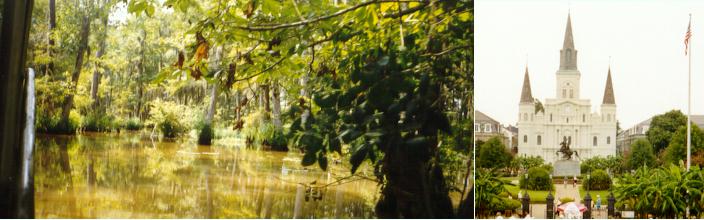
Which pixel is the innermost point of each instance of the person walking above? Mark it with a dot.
(574, 181)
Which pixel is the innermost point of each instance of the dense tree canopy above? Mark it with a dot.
(494, 154)
(641, 155)
(677, 149)
(663, 127)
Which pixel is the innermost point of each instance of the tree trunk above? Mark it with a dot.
(83, 45)
(276, 96)
(214, 90)
(304, 93)
(52, 26)
(140, 69)
(211, 108)
(265, 97)
(98, 55)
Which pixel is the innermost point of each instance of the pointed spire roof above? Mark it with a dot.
(569, 41)
(526, 96)
(609, 91)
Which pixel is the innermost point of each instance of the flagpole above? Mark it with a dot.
(689, 101)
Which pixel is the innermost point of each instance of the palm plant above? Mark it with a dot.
(489, 188)
(663, 192)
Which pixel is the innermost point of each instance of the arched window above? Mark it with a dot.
(584, 118)
(568, 120)
(569, 55)
(608, 118)
(540, 140)
(564, 93)
(571, 93)
(550, 117)
(608, 140)
(594, 141)
(525, 138)
(525, 117)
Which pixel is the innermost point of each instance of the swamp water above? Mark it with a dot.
(130, 176)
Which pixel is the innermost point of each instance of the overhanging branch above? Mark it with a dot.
(269, 27)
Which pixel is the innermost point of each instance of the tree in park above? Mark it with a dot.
(389, 79)
(523, 163)
(641, 154)
(677, 149)
(494, 154)
(663, 127)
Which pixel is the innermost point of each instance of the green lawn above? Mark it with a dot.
(535, 196)
(603, 193)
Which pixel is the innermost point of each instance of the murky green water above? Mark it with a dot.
(129, 176)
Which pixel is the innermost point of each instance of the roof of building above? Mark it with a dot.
(481, 117)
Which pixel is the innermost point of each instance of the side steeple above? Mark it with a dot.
(609, 90)
(526, 95)
(568, 54)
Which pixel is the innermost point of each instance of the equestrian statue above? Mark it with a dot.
(565, 150)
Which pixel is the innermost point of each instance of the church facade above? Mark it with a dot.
(566, 117)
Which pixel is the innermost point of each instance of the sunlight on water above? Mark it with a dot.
(127, 176)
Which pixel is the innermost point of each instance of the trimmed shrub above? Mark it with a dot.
(564, 200)
(506, 204)
(538, 179)
(599, 180)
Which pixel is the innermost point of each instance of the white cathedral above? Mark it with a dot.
(566, 117)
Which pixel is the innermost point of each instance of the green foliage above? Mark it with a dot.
(538, 179)
(526, 162)
(167, 116)
(205, 134)
(493, 154)
(599, 180)
(489, 189)
(259, 129)
(505, 204)
(564, 200)
(641, 154)
(615, 164)
(132, 124)
(662, 191)
(677, 149)
(53, 125)
(273, 138)
(663, 127)
(97, 122)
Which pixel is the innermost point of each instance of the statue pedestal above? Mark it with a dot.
(567, 168)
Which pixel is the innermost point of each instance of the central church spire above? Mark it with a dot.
(568, 54)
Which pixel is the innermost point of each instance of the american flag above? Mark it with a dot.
(687, 36)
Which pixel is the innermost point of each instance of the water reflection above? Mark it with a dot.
(127, 176)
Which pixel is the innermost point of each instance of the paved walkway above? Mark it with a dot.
(569, 191)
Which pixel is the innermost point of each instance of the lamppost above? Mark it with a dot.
(588, 199)
(526, 198)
